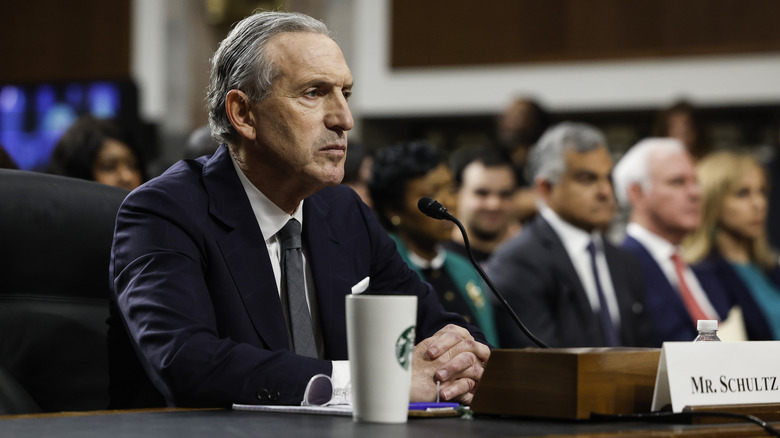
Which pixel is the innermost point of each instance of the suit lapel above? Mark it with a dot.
(620, 283)
(244, 250)
(324, 248)
(661, 296)
(624, 292)
(568, 277)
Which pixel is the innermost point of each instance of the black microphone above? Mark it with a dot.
(432, 208)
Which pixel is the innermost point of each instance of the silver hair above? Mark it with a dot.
(241, 62)
(633, 167)
(547, 157)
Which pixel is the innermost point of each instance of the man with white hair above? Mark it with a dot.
(657, 179)
(568, 284)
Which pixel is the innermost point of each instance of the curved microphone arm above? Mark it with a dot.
(434, 209)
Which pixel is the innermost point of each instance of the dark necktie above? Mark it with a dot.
(607, 327)
(294, 291)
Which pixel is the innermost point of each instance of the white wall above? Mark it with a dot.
(362, 28)
(147, 55)
(380, 91)
(169, 61)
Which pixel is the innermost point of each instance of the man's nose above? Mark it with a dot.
(493, 201)
(605, 189)
(694, 191)
(339, 115)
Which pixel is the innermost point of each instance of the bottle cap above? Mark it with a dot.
(707, 325)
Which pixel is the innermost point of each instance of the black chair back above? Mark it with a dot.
(55, 241)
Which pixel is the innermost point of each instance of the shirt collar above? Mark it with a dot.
(435, 263)
(574, 239)
(657, 246)
(269, 216)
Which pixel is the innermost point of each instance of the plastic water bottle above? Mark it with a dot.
(708, 330)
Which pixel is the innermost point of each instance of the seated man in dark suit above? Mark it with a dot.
(202, 253)
(569, 285)
(656, 178)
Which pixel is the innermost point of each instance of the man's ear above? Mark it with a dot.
(544, 189)
(239, 110)
(635, 193)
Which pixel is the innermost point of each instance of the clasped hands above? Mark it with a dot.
(454, 359)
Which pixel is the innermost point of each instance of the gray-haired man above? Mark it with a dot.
(656, 178)
(569, 285)
(230, 272)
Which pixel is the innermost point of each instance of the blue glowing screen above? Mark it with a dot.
(34, 116)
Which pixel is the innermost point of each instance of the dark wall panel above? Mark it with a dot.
(459, 32)
(44, 40)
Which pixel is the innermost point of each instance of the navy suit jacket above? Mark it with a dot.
(670, 317)
(195, 289)
(720, 274)
(539, 281)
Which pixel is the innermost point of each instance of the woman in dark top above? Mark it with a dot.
(401, 175)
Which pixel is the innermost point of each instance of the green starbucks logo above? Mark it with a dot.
(404, 347)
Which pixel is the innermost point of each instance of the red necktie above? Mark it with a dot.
(694, 310)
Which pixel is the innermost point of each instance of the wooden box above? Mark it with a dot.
(568, 383)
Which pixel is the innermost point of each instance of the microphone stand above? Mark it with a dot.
(490, 284)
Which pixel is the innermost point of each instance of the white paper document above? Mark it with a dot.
(340, 410)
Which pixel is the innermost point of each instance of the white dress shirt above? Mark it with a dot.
(271, 220)
(661, 250)
(576, 241)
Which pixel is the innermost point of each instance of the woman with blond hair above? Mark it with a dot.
(731, 244)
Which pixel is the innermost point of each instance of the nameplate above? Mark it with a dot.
(717, 373)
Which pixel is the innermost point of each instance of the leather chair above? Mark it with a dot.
(55, 241)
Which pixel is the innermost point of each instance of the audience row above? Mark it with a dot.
(537, 212)
(694, 246)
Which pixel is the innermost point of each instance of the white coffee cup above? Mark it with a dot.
(380, 341)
